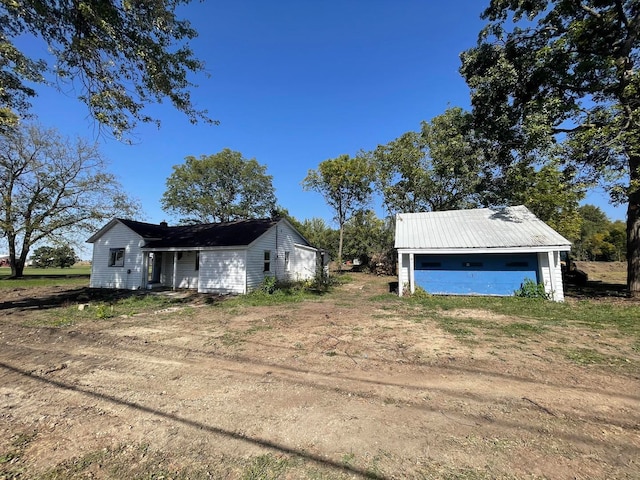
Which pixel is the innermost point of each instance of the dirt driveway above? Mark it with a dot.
(343, 386)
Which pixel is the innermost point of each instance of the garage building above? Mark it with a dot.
(478, 252)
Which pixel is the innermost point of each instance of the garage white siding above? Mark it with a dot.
(551, 275)
(128, 276)
(223, 271)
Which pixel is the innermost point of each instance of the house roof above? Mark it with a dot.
(225, 234)
(483, 228)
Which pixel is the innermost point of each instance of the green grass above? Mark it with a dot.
(36, 272)
(77, 276)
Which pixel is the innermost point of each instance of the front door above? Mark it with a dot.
(155, 267)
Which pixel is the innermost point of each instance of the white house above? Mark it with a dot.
(478, 252)
(229, 257)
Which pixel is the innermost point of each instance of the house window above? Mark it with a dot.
(286, 261)
(197, 261)
(267, 260)
(116, 257)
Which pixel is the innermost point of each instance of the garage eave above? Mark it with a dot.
(454, 251)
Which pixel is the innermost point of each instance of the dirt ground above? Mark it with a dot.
(344, 386)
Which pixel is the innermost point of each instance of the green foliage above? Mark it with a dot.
(219, 188)
(531, 289)
(345, 184)
(268, 285)
(53, 187)
(320, 235)
(121, 56)
(54, 257)
(550, 193)
(370, 239)
(600, 239)
(104, 311)
(438, 168)
(562, 79)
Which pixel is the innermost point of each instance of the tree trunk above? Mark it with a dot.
(633, 230)
(16, 262)
(340, 248)
(17, 266)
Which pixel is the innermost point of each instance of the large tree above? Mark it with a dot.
(437, 168)
(551, 193)
(567, 73)
(345, 184)
(219, 188)
(53, 188)
(119, 56)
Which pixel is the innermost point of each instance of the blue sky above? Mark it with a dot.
(294, 83)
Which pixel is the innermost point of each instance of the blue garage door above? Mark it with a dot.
(475, 274)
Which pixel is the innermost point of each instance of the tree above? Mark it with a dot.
(345, 184)
(551, 194)
(320, 235)
(121, 55)
(565, 73)
(219, 188)
(438, 168)
(370, 239)
(53, 187)
(49, 257)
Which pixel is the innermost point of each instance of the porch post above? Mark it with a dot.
(145, 270)
(175, 269)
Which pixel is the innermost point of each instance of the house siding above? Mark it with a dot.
(104, 276)
(303, 263)
(278, 240)
(222, 271)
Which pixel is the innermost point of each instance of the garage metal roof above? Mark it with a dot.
(483, 228)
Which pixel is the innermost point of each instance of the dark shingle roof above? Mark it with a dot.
(226, 234)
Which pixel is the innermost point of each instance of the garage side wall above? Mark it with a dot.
(404, 272)
(128, 276)
(551, 275)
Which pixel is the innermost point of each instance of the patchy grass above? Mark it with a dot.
(135, 304)
(538, 313)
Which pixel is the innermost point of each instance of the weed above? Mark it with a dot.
(348, 459)
(104, 311)
(532, 289)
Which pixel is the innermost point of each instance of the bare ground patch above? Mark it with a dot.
(339, 387)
